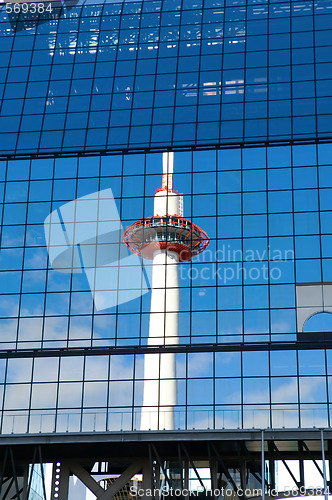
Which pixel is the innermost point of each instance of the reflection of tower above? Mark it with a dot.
(166, 238)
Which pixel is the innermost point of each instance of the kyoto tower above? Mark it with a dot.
(166, 238)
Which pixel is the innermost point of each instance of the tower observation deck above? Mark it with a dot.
(167, 229)
(166, 238)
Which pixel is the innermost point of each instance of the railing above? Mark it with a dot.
(184, 419)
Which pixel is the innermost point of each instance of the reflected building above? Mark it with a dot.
(94, 99)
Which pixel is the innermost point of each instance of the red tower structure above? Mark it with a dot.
(167, 229)
(167, 238)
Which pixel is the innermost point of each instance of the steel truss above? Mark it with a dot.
(238, 461)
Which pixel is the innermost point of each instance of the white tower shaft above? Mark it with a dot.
(160, 388)
(159, 393)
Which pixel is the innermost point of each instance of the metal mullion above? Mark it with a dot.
(48, 266)
(222, 71)
(199, 73)
(186, 392)
(23, 260)
(142, 263)
(92, 78)
(183, 348)
(133, 395)
(217, 244)
(315, 70)
(242, 398)
(267, 196)
(72, 259)
(30, 396)
(130, 128)
(11, 51)
(71, 84)
(108, 391)
(113, 81)
(242, 285)
(263, 464)
(214, 391)
(294, 261)
(317, 164)
(57, 395)
(96, 253)
(320, 227)
(190, 262)
(118, 266)
(82, 397)
(327, 389)
(291, 76)
(177, 67)
(7, 73)
(268, 83)
(270, 389)
(3, 401)
(298, 388)
(159, 149)
(93, 304)
(244, 82)
(242, 247)
(1, 233)
(269, 282)
(154, 91)
(48, 85)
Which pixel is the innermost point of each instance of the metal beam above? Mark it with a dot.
(263, 465)
(272, 482)
(173, 147)
(121, 481)
(213, 470)
(161, 465)
(301, 463)
(181, 466)
(224, 468)
(86, 478)
(329, 451)
(30, 472)
(313, 459)
(18, 491)
(147, 479)
(4, 463)
(25, 482)
(286, 465)
(193, 466)
(251, 463)
(60, 485)
(93, 351)
(324, 464)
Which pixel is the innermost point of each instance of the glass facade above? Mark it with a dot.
(162, 73)
(255, 307)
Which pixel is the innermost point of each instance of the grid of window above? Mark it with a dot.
(214, 390)
(269, 223)
(151, 73)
